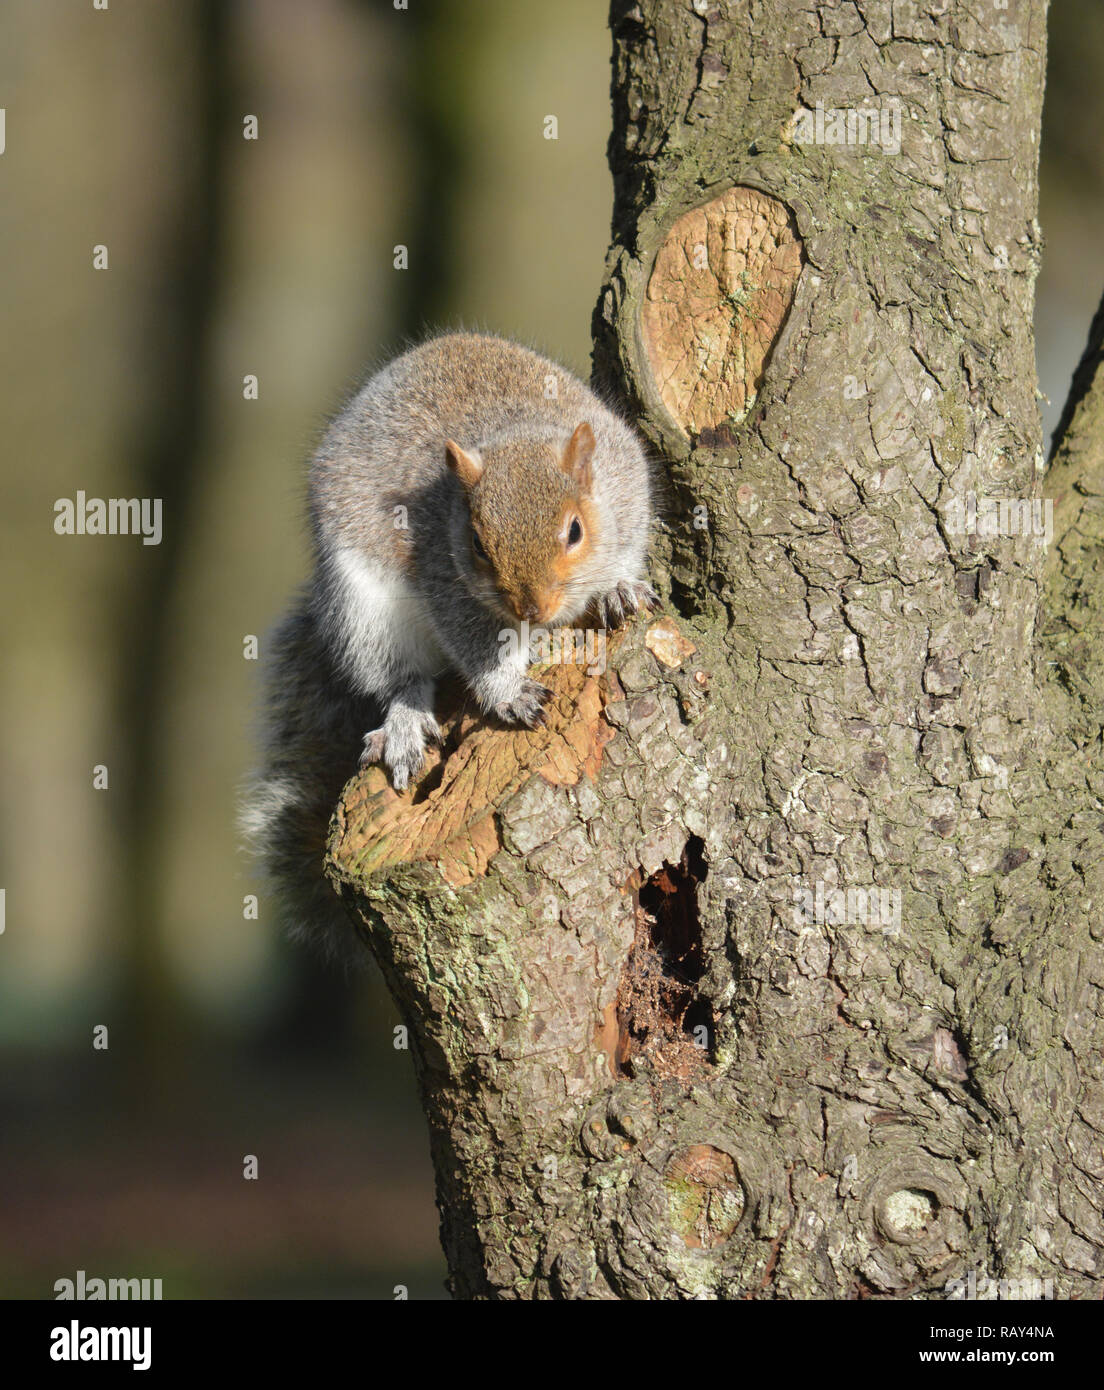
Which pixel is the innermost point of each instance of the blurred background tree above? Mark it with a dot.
(377, 128)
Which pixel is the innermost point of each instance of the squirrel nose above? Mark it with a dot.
(529, 610)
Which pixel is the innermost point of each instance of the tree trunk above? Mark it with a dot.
(772, 966)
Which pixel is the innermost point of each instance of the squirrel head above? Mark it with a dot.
(533, 524)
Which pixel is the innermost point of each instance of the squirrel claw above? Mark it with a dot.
(626, 599)
(400, 746)
(527, 707)
(375, 745)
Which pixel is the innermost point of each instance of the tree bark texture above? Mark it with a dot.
(772, 966)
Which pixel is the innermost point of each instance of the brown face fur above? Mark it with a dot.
(523, 503)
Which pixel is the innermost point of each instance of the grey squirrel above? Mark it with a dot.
(469, 486)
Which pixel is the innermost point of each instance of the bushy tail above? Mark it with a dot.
(313, 727)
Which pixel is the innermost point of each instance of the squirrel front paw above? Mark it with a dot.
(400, 745)
(623, 601)
(526, 707)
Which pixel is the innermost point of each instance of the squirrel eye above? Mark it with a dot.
(479, 548)
(575, 534)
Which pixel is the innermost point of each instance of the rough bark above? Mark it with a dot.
(653, 1067)
(1075, 563)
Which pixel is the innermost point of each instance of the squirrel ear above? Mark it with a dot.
(467, 467)
(577, 456)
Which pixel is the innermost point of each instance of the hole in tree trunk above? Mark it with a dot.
(661, 1013)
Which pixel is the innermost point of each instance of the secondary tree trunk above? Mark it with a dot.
(772, 966)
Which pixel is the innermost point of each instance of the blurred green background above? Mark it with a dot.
(274, 257)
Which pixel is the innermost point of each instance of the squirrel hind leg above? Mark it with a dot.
(400, 741)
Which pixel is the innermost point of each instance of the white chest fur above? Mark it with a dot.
(385, 629)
